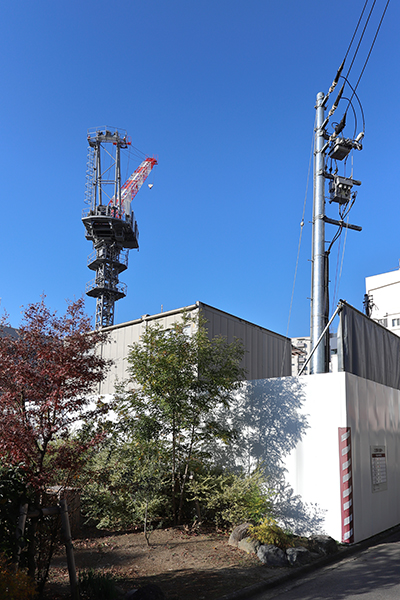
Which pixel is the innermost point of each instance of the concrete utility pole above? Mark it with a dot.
(318, 299)
(340, 193)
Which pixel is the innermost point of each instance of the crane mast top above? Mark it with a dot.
(109, 221)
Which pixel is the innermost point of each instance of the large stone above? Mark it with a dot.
(240, 532)
(323, 544)
(248, 545)
(272, 556)
(298, 556)
(150, 591)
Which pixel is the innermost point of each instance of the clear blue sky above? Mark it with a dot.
(223, 92)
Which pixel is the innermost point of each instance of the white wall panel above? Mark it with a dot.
(374, 417)
(372, 411)
(313, 467)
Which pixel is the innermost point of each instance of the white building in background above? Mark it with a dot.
(301, 348)
(267, 354)
(383, 292)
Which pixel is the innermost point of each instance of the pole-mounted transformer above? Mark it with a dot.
(340, 192)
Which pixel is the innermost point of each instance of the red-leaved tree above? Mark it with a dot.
(49, 373)
(49, 376)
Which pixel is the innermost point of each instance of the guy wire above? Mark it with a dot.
(299, 245)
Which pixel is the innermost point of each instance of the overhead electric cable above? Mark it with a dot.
(341, 264)
(358, 99)
(344, 247)
(362, 35)
(336, 271)
(339, 73)
(344, 119)
(369, 53)
(355, 31)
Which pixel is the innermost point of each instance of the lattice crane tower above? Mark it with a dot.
(109, 221)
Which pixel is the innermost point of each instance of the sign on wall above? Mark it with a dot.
(378, 468)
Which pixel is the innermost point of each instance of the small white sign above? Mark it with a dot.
(378, 468)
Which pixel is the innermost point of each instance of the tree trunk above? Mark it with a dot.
(173, 468)
(185, 477)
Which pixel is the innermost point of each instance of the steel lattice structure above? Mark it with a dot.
(109, 221)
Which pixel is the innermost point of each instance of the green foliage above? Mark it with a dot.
(126, 483)
(96, 586)
(229, 499)
(177, 381)
(14, 586)
(269, 532)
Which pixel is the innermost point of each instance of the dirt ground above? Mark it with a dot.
(184, 564)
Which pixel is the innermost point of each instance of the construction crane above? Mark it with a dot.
(109, 221)
(134, 183)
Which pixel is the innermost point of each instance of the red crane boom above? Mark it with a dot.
(132, 185)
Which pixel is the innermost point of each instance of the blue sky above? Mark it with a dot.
(223, 93)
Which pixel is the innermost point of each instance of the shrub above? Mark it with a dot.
(14, 586)
(229, 499)
(97, 586)
(269, 532)
(123, 486)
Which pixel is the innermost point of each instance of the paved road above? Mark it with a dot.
(371, 574)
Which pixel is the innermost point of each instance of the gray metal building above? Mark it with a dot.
(268, 354)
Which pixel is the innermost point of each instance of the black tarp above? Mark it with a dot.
(367, 349)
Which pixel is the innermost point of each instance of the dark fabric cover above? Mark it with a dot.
(367, 349)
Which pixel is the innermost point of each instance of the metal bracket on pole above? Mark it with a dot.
(342, 224)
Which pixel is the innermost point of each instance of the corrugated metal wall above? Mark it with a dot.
(124, 335)
(267, 354)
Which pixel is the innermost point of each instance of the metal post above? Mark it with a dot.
(118, 177)
(98, 175)
(73, 580)
(338, 309)
(23, 512)
(318, 251)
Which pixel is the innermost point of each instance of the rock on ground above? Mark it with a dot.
(272, 556)
(298, 556)
(240, 532)
(248, 545)
(147, 592)
(323, 544)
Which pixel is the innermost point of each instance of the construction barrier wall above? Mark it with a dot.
(348, 461)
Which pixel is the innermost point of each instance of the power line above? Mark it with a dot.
(355, 31)
(362, 35)
(369, 54)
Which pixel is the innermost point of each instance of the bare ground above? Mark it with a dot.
(184, 564)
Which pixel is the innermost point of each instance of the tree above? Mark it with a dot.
(177, 379)
(47, 376)
(48, 373)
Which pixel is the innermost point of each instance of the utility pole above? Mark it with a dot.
(318, 293)
(340, 192)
